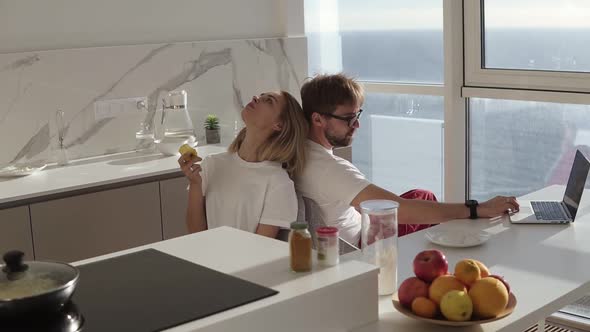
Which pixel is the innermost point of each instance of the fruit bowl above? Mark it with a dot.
(441, 321)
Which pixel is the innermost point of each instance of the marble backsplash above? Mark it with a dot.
(219, 77)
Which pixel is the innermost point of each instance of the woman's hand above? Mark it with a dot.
(191, 169)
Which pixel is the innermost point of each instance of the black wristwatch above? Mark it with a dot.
(472, 205)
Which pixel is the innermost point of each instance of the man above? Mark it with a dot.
(331, 104)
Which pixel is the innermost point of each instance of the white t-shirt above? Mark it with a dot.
(243, 194)
(333, 182)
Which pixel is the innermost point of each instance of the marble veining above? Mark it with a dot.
(219, 77)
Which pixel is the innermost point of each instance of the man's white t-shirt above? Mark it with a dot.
(243, 194)
(333, 182)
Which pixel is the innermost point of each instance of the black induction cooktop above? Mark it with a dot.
(151, 291)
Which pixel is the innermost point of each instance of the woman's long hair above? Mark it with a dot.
(286, 146)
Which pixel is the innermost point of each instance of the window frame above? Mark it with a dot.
(478, 76)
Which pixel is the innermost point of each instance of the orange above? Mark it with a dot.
(443, 284)
(424, 307)
(489, 297)
(484, 271)
(467, 271)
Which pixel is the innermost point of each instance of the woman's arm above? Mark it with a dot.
(280, 207)
(196, 219)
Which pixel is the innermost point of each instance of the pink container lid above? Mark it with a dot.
(327, 231)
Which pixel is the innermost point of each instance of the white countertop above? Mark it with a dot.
(92, 172)
(547, 267)
(304, 300)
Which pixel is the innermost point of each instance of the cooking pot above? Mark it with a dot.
(34, 287)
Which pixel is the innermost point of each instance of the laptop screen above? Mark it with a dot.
(576, 182)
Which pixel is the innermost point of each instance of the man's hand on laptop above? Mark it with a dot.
(497, 206)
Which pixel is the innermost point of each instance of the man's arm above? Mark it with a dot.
(427, 212)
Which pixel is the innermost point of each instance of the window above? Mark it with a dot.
(521, 146)
(392, 41)
(395, 48)
(537, 35)
(526, 44)
(400, 142)
(521, 67)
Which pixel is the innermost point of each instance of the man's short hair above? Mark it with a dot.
(324, 93)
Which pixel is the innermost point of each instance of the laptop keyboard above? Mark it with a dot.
(548, 211)
(579, 308)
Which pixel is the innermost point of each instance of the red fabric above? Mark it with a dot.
(425, 195)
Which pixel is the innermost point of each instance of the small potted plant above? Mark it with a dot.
(212, 129)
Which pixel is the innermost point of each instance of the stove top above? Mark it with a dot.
(151, 291)
(68, 319)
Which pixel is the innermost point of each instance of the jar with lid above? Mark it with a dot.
(300, 247)
(379, 240)
(328, 254)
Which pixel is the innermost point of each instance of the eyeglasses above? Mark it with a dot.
(350, 120)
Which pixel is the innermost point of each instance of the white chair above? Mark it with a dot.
(315, 220)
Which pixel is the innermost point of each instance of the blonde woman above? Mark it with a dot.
(250, 187)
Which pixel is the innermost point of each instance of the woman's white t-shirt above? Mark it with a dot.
(243, 194)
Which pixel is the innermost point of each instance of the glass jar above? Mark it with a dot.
(379, 240)
(300, 247)
(328, 253)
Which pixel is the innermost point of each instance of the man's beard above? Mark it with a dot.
(339, 142)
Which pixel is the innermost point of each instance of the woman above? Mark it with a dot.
(250, 187)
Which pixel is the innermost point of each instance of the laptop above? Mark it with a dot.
(557, 212)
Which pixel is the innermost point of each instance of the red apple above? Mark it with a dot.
(430, 264)
(410, 289)
(502, 280)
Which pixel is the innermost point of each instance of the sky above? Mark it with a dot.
(357, 15)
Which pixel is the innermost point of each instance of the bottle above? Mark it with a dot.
(328, 253)
(300, 247)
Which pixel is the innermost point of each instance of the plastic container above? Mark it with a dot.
(328, 251)
(379, 240)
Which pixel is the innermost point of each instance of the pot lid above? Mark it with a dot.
(22, 279)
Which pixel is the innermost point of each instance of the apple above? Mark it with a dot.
(502, 280)
(410, 289)
(430, 264)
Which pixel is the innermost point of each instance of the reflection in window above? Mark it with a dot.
(519, 146)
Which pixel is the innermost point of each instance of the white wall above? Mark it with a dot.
(32, 25)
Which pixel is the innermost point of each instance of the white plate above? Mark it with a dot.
(457, 238)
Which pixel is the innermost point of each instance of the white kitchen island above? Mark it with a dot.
(547, 266)
(337, 298)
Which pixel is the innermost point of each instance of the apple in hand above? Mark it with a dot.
(502, 280)
(410, 289)
(430, 264)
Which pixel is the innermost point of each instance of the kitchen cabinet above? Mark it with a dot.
(15, 231)
(88, 225)
(174, 201)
